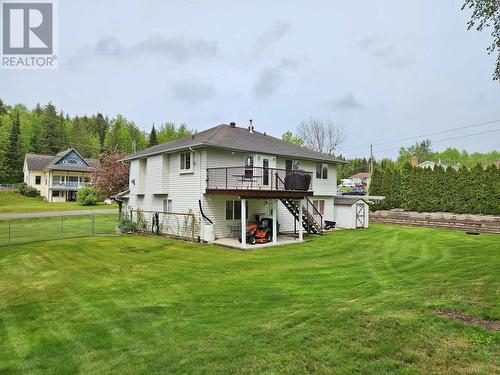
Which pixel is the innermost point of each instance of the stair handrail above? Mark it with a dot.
(278, 178)
(316, 210)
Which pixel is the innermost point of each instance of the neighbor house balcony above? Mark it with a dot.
(259, 182)
(69, 185)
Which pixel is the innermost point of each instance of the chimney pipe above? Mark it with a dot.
(250, 128)
(232, 124)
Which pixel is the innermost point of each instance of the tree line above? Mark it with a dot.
(466, 190)
(47, 130)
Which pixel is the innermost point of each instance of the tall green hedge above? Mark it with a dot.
(474, 191)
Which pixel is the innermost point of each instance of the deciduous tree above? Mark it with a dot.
(321, 135)
(112, 176)
(486, 14)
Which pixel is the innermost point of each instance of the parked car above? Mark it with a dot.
(355, 191)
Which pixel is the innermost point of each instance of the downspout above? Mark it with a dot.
(199, 186)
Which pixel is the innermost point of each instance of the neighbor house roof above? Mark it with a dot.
(361, 175)
(237, 139)
(344, 201)
(40, 162)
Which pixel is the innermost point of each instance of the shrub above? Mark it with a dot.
(88, 195)
(472, 191)
(127, 224)
(28, 191)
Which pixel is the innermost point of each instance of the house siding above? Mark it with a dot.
(163, 179)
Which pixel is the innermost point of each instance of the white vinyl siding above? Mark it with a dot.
(185, 189)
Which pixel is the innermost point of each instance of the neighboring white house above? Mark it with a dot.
(235, 173)
(58, 177)
(430, 164)
(361, 178)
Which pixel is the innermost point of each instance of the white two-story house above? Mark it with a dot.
(229, 175)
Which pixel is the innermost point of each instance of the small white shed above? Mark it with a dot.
(351, 212)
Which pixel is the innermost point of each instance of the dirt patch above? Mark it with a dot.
(491, 324)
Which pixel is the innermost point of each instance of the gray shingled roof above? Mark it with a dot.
(39, 162)
(236, 139)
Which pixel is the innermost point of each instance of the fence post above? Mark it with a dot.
(192, 228)
(62, 227)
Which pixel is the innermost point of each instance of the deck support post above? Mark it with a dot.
(301, 229)
(243, 223)
(275, 221)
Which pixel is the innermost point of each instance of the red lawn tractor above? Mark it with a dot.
(260, 232)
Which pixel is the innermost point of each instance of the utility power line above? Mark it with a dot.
(422, 135)
(450, 138)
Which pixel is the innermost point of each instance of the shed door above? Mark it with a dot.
(360, 215)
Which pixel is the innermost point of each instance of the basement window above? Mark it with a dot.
(233, 210)
(319, 204)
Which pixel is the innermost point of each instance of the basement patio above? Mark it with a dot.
(234, 243)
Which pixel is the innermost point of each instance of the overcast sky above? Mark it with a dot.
(384, 69)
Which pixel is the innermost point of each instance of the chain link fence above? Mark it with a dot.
(36, 229)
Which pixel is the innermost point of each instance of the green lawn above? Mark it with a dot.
(11, 202)
(347, 302)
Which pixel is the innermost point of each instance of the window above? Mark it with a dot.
(185, 161)
(249, 166)
(292, 165)
(249, 161)
(56, 194)
(38, 180)
(233, 210)
(57, 180)
(319, 204)
(167, 205)
(322, 171)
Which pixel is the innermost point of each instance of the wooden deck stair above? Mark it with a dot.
(309, 223)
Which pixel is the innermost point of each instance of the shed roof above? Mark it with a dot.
(344, 201)
(237, 139)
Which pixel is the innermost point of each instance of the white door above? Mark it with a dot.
(267, 165)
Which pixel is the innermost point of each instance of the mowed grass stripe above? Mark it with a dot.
(347, 302)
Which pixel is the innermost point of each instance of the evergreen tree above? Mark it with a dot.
(102, 127)
(13, 157)
(153, 138)
(38, 110)
(52, 130)
(3, 108)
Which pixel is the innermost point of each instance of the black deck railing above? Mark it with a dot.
(258, 178)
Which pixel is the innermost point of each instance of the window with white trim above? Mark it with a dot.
(38, 180)
(186, 163)
(233, 210)
(292, 165)
(322, 171)
(167, 205)
(319, 204)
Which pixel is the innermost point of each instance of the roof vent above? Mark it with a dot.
(250, 128)
(232, 124)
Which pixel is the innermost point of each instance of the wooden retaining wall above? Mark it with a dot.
(478, 223)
